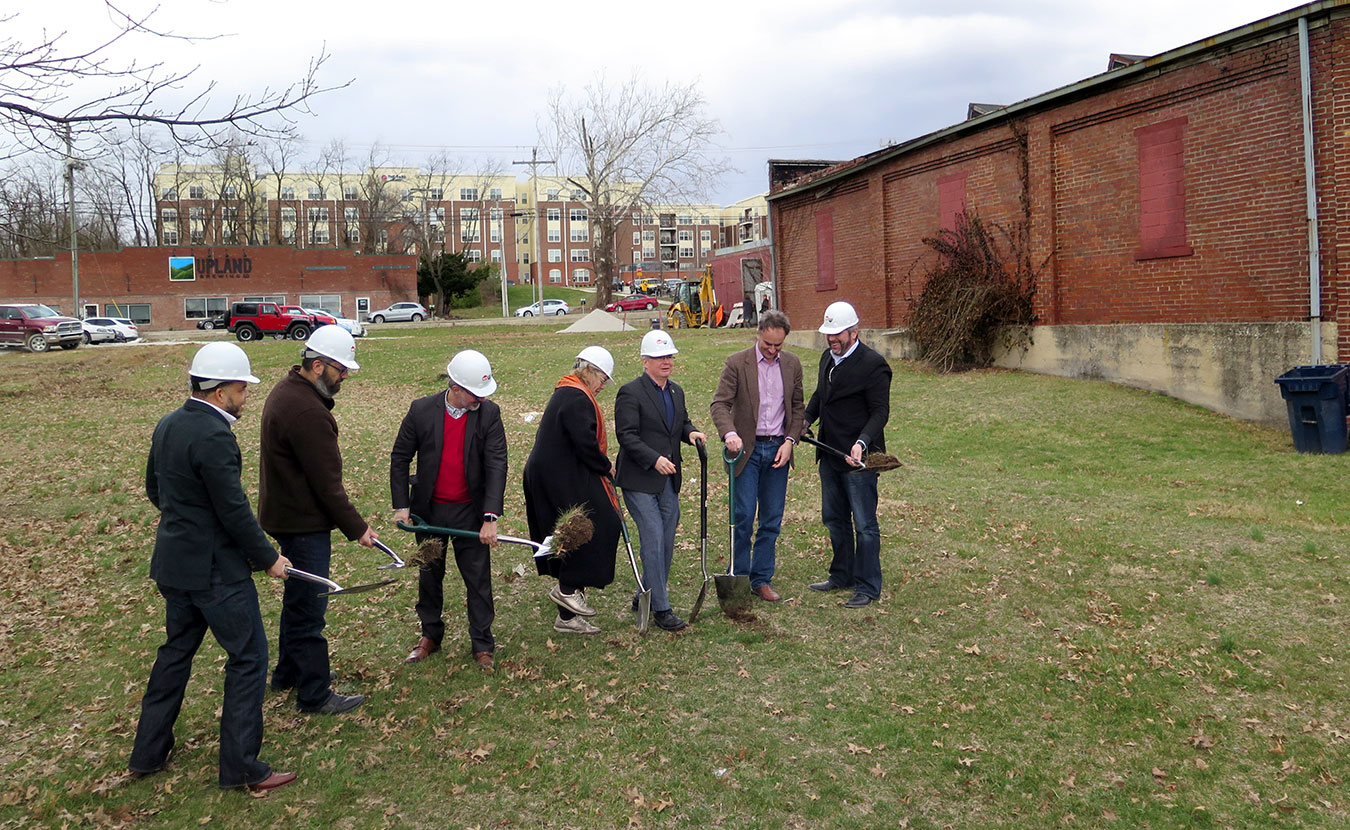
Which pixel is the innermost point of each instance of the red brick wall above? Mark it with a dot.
(1244, 198)
(141, 275)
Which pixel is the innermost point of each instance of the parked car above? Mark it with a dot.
(633, 303)
(353, 327)
(109, 330)
(319, 318)
(554, 307)
(211, 323)
(250, 321)
(413, 312)
(37, 328)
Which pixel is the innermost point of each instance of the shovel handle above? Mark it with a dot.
(388, 551)
(315, 578)
(827, 448)
(416, 525)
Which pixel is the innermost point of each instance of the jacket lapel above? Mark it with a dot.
(752, 381)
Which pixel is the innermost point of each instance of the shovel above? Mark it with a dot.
(733, 589)
(644, 597)
(335, 589)
(398, 562)
(542, 550)
(702, 529)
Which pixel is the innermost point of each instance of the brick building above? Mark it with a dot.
(134, 282)
(1167, 198)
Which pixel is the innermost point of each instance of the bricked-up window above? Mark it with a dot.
(825, 250)
(1162, 191)
(951, 199)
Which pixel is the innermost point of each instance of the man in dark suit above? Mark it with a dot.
(650, 421)
(853, 402)
(206, 547)
(460, 445)
(758, 409)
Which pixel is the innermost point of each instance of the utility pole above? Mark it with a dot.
(71, 166)
(534, 163)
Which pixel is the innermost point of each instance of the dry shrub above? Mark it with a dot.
(977, 290)
(572, 531)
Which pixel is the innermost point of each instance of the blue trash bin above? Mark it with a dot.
(1316, 399)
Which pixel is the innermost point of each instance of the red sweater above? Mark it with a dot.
(451, 485)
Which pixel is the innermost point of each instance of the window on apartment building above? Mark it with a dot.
(197, 214)
(475, 255)
(685, 219)
(314, 193)
(288, 193)
(649, 236)
(1162, 191)
(705, 236)
(229, 191)
(318, 214)
(494, 194)
(351, 215)
(637, 237)
(354, 234)
(554, 255)
(196, 191)
(470, 230)
(554, 215)
(648, 252)
(169, 236)
(525, 258)
(825, 250)
(169, 194)
(580, 233)
(468, 194)
(703, 220)
(350, 193)
(686, 252)
(555, 235)
(686, 236)
(319, 235)
(434, 194)
(496, 255)
(169, 216)
(637, 256)
(707, 251)
(582, 275)
(579, 215)
(648, 219)
(554, 275)
(551, 194)
(581, 254)
(200, 308)
(382, 244)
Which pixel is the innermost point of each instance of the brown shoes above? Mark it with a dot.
(483, 659)
(271, 782)
(425, 648)
(767, 593)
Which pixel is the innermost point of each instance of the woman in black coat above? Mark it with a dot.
(569, 467)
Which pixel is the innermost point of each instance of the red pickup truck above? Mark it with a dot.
(251, 321)
(36, 327)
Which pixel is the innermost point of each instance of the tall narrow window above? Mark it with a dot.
(951, 199)
(825, 250)
(1162, 191)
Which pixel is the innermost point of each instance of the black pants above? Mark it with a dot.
(475, 567)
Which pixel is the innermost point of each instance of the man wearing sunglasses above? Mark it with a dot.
(301, 499)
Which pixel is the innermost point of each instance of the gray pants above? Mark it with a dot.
(656, 516)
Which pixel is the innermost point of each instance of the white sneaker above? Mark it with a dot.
(576, 625)
(574, 602)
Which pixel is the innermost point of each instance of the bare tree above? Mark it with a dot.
(52, 92)
(631, 145)
(279, 153)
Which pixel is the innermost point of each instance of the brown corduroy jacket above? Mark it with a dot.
(300, 485)
(735, 404)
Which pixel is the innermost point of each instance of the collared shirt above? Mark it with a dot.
(772, 404)
(453, 411)
(229, 419)
(667, 400)
(841, 358)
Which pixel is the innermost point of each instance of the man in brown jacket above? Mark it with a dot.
(758, 410)
(301, 499)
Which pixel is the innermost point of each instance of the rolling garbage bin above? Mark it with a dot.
(1316, 398)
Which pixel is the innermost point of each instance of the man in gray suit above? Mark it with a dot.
(207, 544)
(651, 420)
(758, 409)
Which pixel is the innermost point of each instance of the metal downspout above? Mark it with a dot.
(1310, 188)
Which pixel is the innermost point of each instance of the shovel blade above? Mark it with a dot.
(358, 589)
(644, 611)
(733, 593)
(698, 603)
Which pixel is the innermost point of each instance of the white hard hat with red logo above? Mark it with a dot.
(335, 343)
(839, 317)
(222, 363)
(657, 343)
(470, 370)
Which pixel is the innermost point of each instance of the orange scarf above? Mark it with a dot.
(577, 383)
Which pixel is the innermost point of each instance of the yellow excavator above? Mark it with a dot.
(695, 304)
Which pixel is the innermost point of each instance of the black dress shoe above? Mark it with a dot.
(827, 585)
(336, 704)
(858, 601)
(667, 621)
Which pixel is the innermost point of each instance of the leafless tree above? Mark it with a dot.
(278, 154)
(631, 145)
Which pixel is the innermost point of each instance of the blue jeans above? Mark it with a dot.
(656, 516)
(848, 506)
(760, 484)
(231, 614)
(302, 650)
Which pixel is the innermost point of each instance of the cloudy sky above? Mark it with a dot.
(786, 79)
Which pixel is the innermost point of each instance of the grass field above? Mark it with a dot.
(1103, 608)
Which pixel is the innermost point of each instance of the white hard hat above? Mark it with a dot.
(335, 343)
(600, 358)
(470, 370)
(839, 317)
(221, 362)
(657, 343)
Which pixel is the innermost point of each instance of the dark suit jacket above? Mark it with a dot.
(853, 402)
(735, 404)
(422, 434)
(640, 424)
(206, 524)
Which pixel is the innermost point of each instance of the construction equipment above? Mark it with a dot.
(695, 304)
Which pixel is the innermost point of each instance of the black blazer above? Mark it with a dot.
(640, 424)
(852, 402)
(422, 434)
(205, 524)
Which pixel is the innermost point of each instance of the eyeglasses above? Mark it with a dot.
(337, 367)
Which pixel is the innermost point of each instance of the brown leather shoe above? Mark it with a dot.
(425, 647)
(271, 782)
(483, 659)
(767, 593)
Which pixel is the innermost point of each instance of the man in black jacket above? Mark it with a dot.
(206, 547)
(650, 421)
(853, 402)
(460, 445)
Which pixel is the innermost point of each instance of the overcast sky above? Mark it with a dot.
(786, 79)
